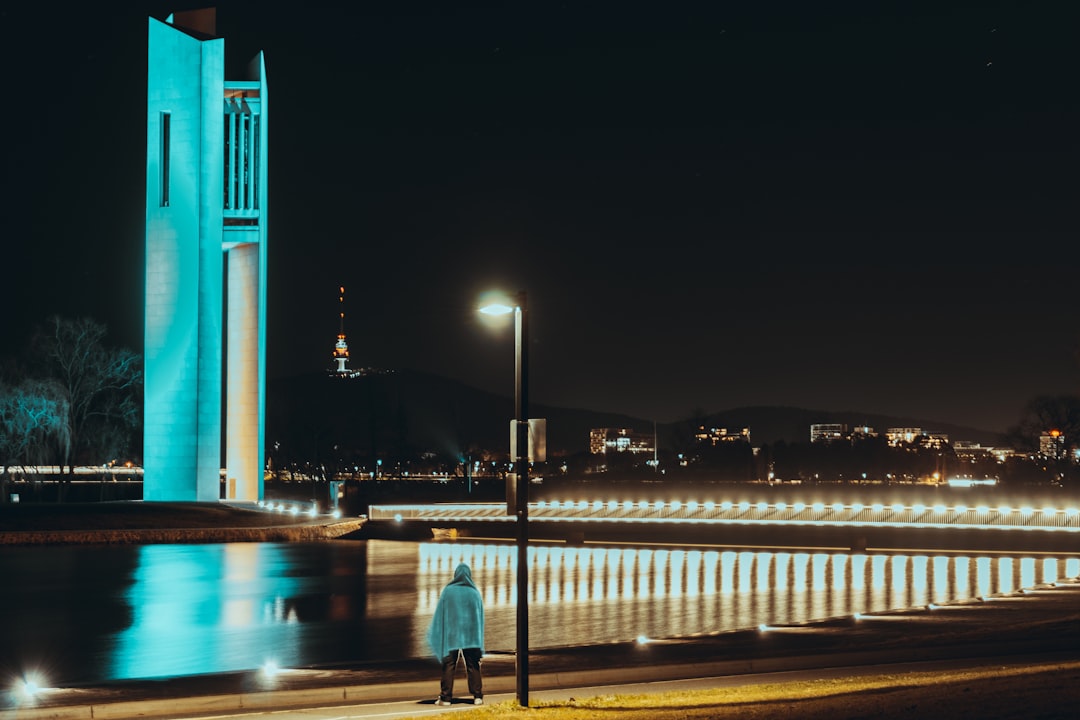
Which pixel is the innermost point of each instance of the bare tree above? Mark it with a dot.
(34, 417)
(1050, 413)
(99, 384)
(1044, 414)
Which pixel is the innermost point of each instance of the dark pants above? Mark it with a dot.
(472, 671)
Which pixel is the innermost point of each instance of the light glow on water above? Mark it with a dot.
(174, 610)
(690, 591)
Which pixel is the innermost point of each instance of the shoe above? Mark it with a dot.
(478, 701)
(440, 701)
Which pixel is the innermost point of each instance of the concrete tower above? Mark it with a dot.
(341, 348)
(206, 230)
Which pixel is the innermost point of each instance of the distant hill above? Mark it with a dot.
(407, 412)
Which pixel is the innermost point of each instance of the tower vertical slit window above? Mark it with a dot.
(165, 142)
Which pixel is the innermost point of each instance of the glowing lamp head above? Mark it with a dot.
(497, 309)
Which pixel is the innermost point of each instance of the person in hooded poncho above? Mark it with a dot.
(457, 630)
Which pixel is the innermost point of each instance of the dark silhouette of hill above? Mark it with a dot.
(405, 413)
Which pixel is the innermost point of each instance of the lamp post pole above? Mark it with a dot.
(521, 494)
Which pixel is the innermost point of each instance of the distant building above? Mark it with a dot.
(605, 440)
(912, 435)
(1052, 444)
(970, 450)
(898, 435)
(715, 436)
(827, 432)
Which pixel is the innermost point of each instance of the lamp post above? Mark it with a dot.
(520, 494)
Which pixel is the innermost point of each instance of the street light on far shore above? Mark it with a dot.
(518, 489)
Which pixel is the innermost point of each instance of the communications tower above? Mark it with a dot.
(341, 348)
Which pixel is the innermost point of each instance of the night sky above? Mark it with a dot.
(711, 205)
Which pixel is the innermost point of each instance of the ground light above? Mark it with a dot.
(29, 687)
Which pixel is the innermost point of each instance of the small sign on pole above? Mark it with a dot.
(537, 439)
(511, 494)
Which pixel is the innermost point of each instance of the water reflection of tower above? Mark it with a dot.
(341, 348)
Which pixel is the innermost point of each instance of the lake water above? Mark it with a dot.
(84, 614)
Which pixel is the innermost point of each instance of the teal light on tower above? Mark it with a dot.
(206, 222)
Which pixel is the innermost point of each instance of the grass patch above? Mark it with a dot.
(1036, 691)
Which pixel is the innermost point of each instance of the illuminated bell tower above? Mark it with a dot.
(341, 348)
(206, 230)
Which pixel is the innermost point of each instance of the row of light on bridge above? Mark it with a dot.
(797, 507)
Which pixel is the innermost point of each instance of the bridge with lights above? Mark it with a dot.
(818, 525)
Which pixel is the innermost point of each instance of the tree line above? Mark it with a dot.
(69, 398)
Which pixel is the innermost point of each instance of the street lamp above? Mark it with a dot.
(518, 491)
